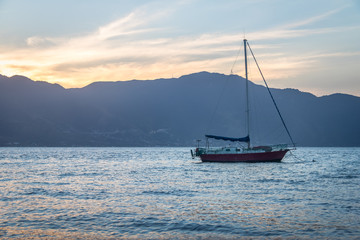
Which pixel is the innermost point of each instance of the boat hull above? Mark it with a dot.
(274, 156)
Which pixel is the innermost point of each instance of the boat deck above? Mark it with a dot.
(237, 150)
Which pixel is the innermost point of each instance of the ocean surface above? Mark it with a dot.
(162, 193)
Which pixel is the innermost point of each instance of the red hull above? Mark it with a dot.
(275, 156)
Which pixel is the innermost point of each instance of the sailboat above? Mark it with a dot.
(248, 153)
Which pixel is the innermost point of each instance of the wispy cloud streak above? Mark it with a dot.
(314, 18)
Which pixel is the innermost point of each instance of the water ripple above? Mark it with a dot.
(161, 193)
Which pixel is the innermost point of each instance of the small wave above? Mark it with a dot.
(5, 179)
(350, 176)
(175, 192)
(264, 180)
(9, 199)
(36, 191)
(67, 174)
(197, 227)
(291, 181)
(45, 192)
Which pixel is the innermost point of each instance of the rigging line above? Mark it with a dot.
(217, 104)
(293, 155)
(237, 56)
(222, 92)
(282, 120)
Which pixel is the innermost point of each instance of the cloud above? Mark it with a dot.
(292, 30)
(132, 48)
(314, 18)
(40, 42)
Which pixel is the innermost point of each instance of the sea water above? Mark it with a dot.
(162, 193)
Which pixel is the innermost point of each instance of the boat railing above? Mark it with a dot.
(280, 147)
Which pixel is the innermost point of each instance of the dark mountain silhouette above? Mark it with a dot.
(168, 112)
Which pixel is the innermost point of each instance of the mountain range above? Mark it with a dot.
(169, 112)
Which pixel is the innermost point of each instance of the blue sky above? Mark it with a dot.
(309, 45)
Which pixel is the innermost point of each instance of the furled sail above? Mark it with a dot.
(244, 139)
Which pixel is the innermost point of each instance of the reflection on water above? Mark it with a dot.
(161, 193)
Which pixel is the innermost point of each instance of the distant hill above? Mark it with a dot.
(168, 112)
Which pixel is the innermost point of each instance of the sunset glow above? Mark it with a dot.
(158, 40)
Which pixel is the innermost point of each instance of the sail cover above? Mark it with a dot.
(244, 139)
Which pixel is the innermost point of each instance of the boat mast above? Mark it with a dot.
(247, 95)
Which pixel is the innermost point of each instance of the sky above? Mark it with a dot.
(310, 45)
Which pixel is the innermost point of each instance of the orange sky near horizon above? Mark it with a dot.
(154, 40)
